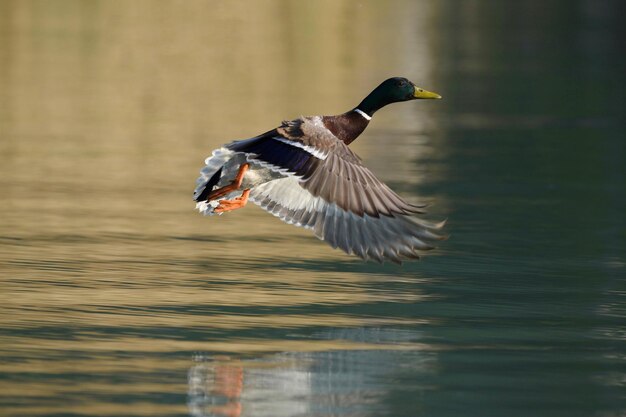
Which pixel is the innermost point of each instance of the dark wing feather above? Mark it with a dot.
(267, 149)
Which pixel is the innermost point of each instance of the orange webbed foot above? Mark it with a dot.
(234, 204)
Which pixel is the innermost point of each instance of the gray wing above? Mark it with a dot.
(384, 237)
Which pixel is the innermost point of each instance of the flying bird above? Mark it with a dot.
(304, 173)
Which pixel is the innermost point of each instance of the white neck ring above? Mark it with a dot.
(362, 113)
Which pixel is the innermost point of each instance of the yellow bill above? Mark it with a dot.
(421, 93)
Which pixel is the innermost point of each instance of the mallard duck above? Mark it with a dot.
(304, 173)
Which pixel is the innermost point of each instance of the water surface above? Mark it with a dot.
(119, 300)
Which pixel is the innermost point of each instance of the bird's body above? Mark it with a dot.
(304, 173)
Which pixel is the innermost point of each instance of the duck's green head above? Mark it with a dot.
(393, 90)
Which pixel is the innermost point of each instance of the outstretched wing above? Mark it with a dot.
(328, 189)
(393, 238)
(325, 167)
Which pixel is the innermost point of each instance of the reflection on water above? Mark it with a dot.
(346, 382)
(119, 299)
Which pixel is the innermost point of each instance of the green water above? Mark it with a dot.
(117, 299)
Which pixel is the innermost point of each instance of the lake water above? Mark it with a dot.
(118, 299)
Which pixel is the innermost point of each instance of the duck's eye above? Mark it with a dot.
(402, 83)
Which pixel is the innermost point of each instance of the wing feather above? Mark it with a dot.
(385, 238)
(326, 167)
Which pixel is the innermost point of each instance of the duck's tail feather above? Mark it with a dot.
(208, 186)
(210, 176)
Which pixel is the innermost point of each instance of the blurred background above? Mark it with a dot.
(117, 298)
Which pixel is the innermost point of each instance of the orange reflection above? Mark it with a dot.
(228, 383)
